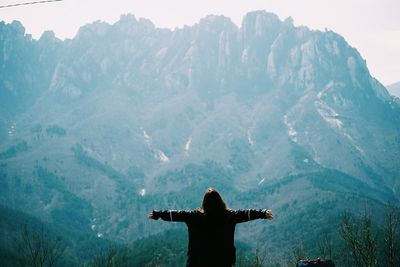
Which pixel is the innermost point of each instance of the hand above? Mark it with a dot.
(152, 216)
(269, 215)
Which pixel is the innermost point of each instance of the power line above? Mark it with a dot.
(30, 3)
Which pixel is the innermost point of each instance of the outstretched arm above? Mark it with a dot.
(248, 215)
(172, 215)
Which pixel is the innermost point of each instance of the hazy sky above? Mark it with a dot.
(372, 26)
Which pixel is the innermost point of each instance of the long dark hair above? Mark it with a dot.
(213, 203)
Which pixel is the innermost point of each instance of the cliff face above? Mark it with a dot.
(128, 117)
(394, 89)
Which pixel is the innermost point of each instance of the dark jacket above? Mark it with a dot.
(211, 237)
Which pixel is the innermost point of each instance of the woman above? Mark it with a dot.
(211, 229)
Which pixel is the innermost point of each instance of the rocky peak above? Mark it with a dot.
(93, 30)
(260, 23)
(129, 25)
(17, 27)
(214, 23)
(48, 37)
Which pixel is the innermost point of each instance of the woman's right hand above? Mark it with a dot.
(269, 215)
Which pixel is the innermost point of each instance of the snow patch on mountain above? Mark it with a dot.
(158, 154)
(11, 129)
(187, 145)
(328, 114)
(146, 137)
(161, 156)
(250, 137)
(291, 131)
(142, 192)
(94, 226)
(328, 87)
(359, 149)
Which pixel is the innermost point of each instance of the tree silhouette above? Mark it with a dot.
(37, 249)
(391, 231)
(359, 239)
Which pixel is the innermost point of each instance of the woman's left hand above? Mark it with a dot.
(152, 216)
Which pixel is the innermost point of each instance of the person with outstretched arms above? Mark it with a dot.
(211, 229)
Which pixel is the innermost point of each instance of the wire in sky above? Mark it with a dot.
(30, 3)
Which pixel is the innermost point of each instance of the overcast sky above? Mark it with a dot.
(372, 26)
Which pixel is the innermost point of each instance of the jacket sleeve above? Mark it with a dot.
(173, 215)
(248, 215)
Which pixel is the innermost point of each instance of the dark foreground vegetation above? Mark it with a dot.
(360, 240)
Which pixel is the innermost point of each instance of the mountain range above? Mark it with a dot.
(98, 130)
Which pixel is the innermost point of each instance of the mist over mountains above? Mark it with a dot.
(98, 130)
